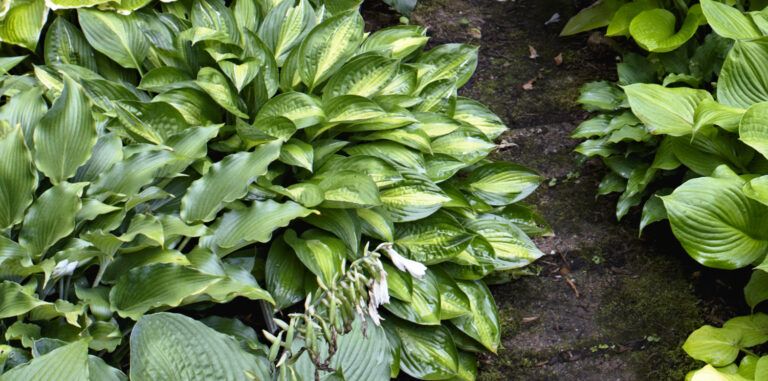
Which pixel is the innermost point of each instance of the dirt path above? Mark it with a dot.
(637, 297)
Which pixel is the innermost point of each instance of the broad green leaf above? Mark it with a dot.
(150, 121)
(364, 76)
(381, 172)
(653, 211)
(619, 25)
(165, 78)
(728, 21)
(25, 109)
(483, 323)
(427, 352)
(127, 177)
(343, 223)
(664, 110)
(753, 328)
(285, 275)
(159, 285)
(8, 63)
(412, 199)
(527, 219)
(66, 363)
(116, 36)
(432, 240)
(225, 182)
(51, 217)
(480, 117)
(173, 347)
(709, 113)
(18, 174)
(23, 22)
(596, 16)
(511, 245)
(743, 80)
(256, 223)
(195, 106)
(752, 128)
(424, 308)
(450, 61)
(73, 4)
(392, 153)
(247, 14)
(400, 284)
(321, 254)
(351, 108)
(376, 224)
(219, 89)
(716, 346)
(716, 223)
(396, 42)
(285, 25)
(301, 109)
(410, 136)
(65, 136)
(16, 300)
(241, 74)
(756, 290)
(66, 44)
(654, 30)
(710, 373)
(501, 183)
(348, 189)
(601, 96)
(468, 145)
(213, 14)
(297, 153)
(757, 189)
(328, 46)
(453, 301)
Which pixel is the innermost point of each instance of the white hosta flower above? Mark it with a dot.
(64, 268)
(374, 314)
(402, 263)
(380, 291)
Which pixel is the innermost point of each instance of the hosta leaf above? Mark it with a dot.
(716, 346)
(431, 240)
(483, 322)
(410, 136)
(285, 25)
(65, 136)
(376, 224)
(526, 218)
(144, 288)
(66, 363)
(453, 301)
(226, 181)
(392, 153)
(301, 109)
(501, 183)
(218, 88)
(25, 109)
(173, 347)
(241, 74)
(450, 61)
(728, 21)
(255, 223)
(511, 245)
(16, 300)
(328, 46)
(116, 36)
(381, 172)
(438, 96)
(364, 75)
(427, 352)
(752, 128)
(412, 199)
(127, 177)
(213, 14)
(18, 174)
(285, 275)
(593, 17)
(165, 78)
(654, 30)
(753, 328)
(619, 25)
(247, 14)
(743, 81)
(424, 308)
(345, 189)
(320, 253)
(396, 42)
(23, 22)
(64, 43)
(150, 121)
(664, 110)
(757, 189)
(716, 223)
(343, 223)
(195, 106)
(400, 284)
(298, 154)
(237, 282)
(709, 113)
(351, 108)
(465, 144)
(51, 217)
(480, 117)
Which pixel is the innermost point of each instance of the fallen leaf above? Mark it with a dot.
(475, 33)
(530, 319)
(528, 86)
(559, 59)
(554, 19)
(533, 53)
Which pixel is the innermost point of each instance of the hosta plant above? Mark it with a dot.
(201, 190)
(712, 139)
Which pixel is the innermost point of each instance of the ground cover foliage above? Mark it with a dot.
(684, 133)
(258, 189)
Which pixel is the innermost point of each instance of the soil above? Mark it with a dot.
(607, 303)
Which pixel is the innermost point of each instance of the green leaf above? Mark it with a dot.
(241, 74)
(285, 275)
(453, 301)
(527, 219)
(301, 109)
(743, 80)
(752, 128)
(173, 347)
(159, 285)
(348, 189)
(716, 346)
(480, 117)
(501, 183)
(619, 25)
(709, 113)
(23, 22)
(396, 42)
(664, 110)
(225, 182)
(424, 307)
(116, 36)
(214, 15)
(255, 223)
(412, 199)
(51, 218)
(716, 223)
(343, 223)
(285, 25)
(65, 136)
(25, 109)
(320, 253)
(729, 22)
(18, 174)
(16, 300)
(511, 245)
(468, 145)
(753, 328)
(298, 154)
(756, 290)
(427, 352)
(219, 89)
(596, 16)
(66, 363)
(127, 177)
(483, 322)
(601, 96)
(757, 189)
(653, 211)
(364, 76)
(328, 46)
(432, 240)
(66, 44)
(654, 30)
(450, 61)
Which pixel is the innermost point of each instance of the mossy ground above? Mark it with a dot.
(638, 297)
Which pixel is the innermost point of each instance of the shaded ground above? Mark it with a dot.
(606, 304)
